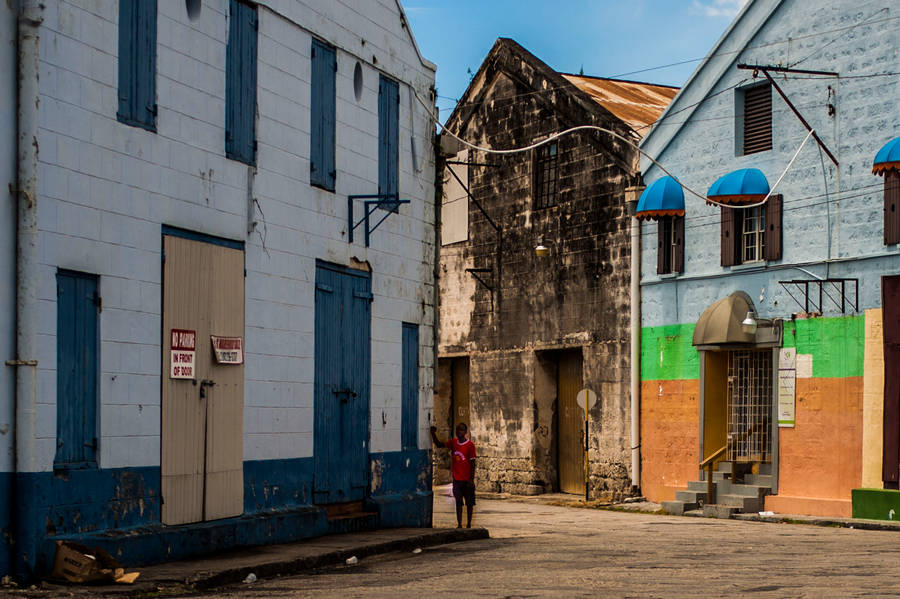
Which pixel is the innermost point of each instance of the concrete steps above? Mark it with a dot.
(745, 496)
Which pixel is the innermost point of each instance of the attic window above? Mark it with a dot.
(546, 175)
(756, 132)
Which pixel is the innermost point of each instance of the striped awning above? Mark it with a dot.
(664, 197)
(744, 186)
(887, 158)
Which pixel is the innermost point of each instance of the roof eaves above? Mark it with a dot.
(719, 60)
(425, 62)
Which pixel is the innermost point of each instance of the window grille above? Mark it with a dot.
(546, 180)
(749, 406)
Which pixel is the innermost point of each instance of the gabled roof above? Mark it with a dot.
(717, 63)
(405, 23)
(638, 104)
(624, 105)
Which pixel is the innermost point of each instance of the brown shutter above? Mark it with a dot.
(728, 236)
(891, 207)
(661, 263)
(678, 232)
(773, 227)
(890, 303)
(758, 119)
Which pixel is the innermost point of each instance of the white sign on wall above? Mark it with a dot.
(228, 350)
(787, 387)
(183, 346)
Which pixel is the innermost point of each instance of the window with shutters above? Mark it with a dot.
(137, 63)
(670, 246)
(546, 175)
(388, 137)
(240, 83)
(322, 115)
(891, 207)
(755, 119)
(752, 234)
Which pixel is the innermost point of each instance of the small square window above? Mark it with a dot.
(546, 175)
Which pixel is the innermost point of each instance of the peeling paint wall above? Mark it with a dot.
(577, 297)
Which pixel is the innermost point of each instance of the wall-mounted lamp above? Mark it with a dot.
(541, 250)
(752, 322)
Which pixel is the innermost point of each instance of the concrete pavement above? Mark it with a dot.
(498, 511)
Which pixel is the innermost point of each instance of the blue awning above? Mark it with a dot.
(664, 197)
(887, 157)
(744, 186)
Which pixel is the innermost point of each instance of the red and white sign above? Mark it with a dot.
(228, 350)
(183, 345)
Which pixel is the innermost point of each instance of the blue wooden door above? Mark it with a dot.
(342, 367)
(76, 369)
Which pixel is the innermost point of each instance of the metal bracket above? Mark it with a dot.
(475, 272)
(840, 287)
(389, 201)
(21, 362)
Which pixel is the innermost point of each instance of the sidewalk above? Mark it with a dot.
(649, 507)
(266, 562)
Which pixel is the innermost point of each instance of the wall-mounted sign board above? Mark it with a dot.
(228, 350)
(183, 346)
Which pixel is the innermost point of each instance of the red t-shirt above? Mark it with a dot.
(462, 454)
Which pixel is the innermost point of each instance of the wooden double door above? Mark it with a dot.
(202, 416)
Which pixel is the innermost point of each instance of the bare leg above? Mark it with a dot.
(469, 509)
(459, 513)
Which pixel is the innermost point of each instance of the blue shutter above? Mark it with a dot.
(410, 386)
(137, 63)
(322, 116)
(240, 83)
(76, 369)
(388, 136)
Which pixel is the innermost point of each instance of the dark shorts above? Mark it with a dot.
(463, 489)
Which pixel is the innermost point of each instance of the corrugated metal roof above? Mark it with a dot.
(638, 104)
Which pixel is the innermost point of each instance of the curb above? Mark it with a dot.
(305, 564)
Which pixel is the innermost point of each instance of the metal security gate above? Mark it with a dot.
(749, 406)
(202, 414)
(570, 429)
(342, 370)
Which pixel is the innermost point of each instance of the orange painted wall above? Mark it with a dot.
(670, 442)
(821, 458)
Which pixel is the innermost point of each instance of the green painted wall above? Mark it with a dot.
(667, 353)
(836, 344)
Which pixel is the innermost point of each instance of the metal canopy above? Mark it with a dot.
(720, 324)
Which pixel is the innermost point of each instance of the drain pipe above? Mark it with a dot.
(30, 18)
(631, 198)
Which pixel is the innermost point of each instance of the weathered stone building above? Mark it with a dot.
(520, 333)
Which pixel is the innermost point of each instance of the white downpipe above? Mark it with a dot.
(632, 195)
(26, 193)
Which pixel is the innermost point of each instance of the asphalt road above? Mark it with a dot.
(539, 550)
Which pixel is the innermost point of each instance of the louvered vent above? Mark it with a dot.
(758, 119)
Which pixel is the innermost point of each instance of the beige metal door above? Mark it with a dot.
(202, 419)
(570, 430)
(460, 392)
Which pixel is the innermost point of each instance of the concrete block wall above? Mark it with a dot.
(106, 189)
(865, 45)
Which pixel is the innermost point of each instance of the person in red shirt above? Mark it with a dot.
(462, 454)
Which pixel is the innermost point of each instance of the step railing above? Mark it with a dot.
(710, 465)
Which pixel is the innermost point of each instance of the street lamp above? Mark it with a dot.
(752, 322)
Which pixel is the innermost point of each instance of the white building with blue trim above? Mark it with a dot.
(218, 310)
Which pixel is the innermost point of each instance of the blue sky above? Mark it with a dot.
(607, 38)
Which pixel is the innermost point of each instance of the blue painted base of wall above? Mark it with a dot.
(119, 510)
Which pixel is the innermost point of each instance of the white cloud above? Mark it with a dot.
(717, 8)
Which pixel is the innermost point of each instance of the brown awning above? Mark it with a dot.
(720, 324)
